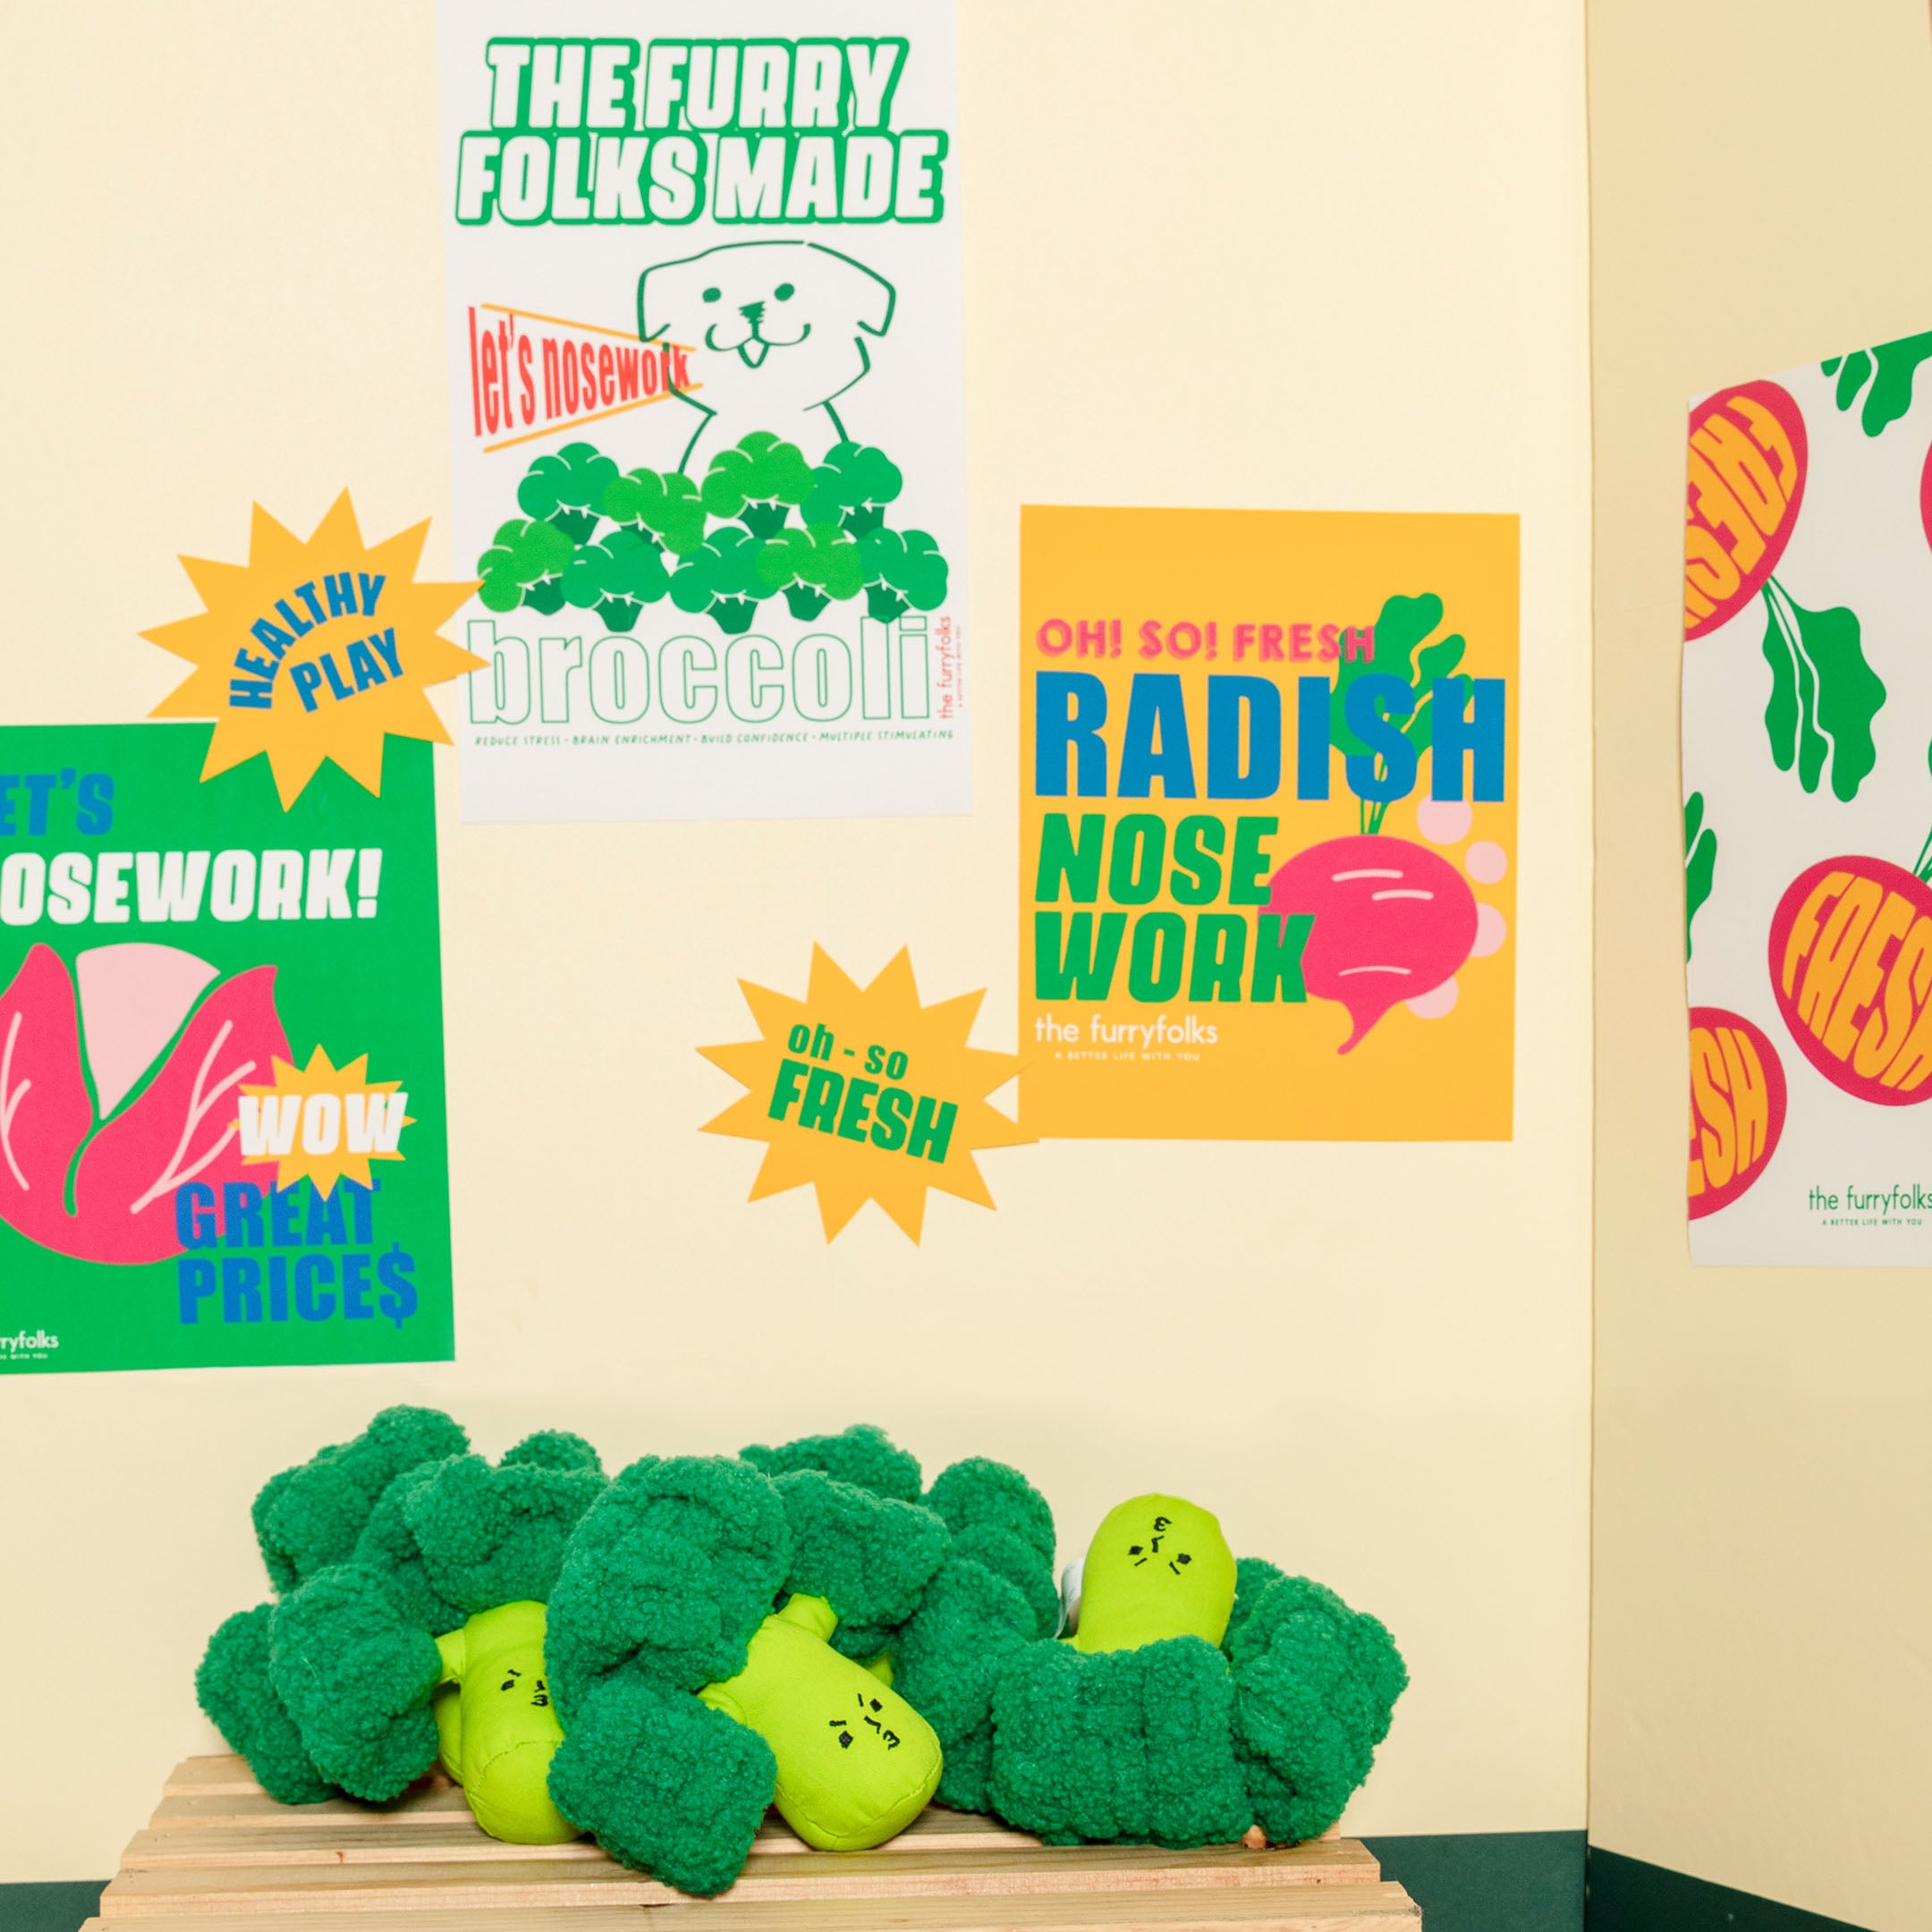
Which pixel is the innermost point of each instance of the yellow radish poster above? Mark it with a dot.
(1268, 824)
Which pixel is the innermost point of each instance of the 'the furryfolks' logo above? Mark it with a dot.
(39, 1343)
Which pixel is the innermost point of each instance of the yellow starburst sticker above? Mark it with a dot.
(866, 1094)
(314, 650)
(322, 1123)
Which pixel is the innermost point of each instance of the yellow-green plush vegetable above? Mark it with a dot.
(1198, 1700)
(856, 1763)
(496, 1730)
(1158, 1567)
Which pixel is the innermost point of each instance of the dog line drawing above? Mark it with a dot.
(786, 326)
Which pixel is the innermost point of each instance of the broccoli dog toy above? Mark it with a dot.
(428, 1643)
(1196, 1700)
(688, 1653)
(729, 1634)
(305, 1517)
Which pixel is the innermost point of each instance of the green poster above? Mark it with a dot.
(222, 1125)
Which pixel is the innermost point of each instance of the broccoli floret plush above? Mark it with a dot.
(863, 1455)
(232, 1685)
(1316, 1685)
(1122, 1744)
(1198, 1697)
(992, 1596)
(694, 1648)
(429, 1640)
(305, 1517)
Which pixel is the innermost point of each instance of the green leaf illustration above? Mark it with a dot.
(1891, 392)
(1824, 695)
(1401, 627)
(1700, 861)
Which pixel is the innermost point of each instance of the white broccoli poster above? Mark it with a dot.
(707, 406)
(1807, 814)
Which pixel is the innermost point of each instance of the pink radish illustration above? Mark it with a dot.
(1392, 920)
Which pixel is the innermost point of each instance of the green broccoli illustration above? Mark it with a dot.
(567, 488)
(1700, 861)
(812, 566)
(523, 565)
(616, 578)
(851, 487)
(660, 507)
(598, 539)
(758, 481)
(721, 579)
(902, 572)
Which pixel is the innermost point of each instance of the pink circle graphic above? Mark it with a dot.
(1444, 821)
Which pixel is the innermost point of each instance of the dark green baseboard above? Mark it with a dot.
(1490, 1881)
(49, 1908)
(1627, 1896)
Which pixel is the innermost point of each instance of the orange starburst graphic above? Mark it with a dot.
(865, 1094)
(314, 650)
(322, 1123)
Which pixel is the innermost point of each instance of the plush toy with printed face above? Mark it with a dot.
(430, 1643)
(1197, 1700)
(728, 1634)
(412, 1622)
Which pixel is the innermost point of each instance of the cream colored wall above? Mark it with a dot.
(1761, 186)
(1231, 253)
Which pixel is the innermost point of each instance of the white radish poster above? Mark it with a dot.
(1807, 814)
(706, 404)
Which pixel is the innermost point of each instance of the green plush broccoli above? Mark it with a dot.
(993, 1593)
(307, 1519)
(851, 487)
(429, 1641)
(566, 488)
(1198, 1698)
(863, 1455)
(710, 1644)
(902, 572)
(658, 506)
(759, 480)
(993, 1597)
(690, 1653)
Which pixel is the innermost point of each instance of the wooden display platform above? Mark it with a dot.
(220, 1853)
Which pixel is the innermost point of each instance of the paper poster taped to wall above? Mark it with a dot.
(1268, 824)
(707, 406)
(1808, 815)
(221, 1059)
